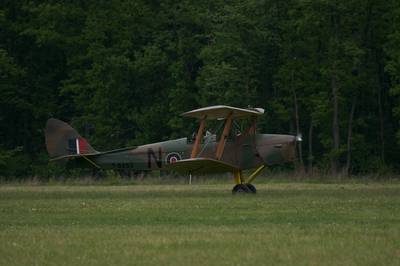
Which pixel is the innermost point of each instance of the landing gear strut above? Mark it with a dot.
(244, 185)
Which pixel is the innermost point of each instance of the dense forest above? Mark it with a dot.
(121, 72)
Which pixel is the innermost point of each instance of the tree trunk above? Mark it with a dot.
(381, 124)
(310, 152)
(297, 121)
(335, 123)
(349, 134)
(296, 111)
(335, 98)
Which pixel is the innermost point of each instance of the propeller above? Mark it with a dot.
(299, 137)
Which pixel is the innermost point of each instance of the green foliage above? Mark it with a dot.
(13, 163)
(122, 71)
(393, 64)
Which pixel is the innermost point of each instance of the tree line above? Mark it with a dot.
(121, 72)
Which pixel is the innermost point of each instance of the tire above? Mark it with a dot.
(240, 188)
(252, 188)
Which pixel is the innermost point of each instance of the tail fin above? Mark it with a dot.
(62, 140)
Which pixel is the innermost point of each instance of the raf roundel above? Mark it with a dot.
(172, 157)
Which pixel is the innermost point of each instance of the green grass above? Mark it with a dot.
(284, 224)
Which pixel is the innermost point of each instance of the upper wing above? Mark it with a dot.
(222, 111)
(202, 166)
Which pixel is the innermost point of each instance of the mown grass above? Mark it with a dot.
(284, 224)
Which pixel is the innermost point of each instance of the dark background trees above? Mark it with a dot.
(121, 72)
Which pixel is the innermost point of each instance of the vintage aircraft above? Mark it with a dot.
(237, 147)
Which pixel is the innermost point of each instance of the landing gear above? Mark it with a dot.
(244, 188)
(244, 185)
(251, 188)
(240, 188)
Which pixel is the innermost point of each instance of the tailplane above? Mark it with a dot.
(63, 141)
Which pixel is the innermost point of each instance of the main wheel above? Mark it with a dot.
(240, 188)
(251, 188)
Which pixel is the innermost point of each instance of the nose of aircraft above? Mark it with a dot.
(289, 150)
(276, 149)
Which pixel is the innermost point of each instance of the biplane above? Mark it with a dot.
(234, 148)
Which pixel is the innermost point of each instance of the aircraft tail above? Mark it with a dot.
(62, 141)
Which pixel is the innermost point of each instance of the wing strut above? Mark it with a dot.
(224, 136)
(199, 135)
(253, 128)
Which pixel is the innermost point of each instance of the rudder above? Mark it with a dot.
(63, 140)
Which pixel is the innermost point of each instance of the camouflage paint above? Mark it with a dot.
(245, 150)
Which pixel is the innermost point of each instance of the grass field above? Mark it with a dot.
(284, 224)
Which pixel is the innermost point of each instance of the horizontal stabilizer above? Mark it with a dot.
(201, 166)
(73, 156)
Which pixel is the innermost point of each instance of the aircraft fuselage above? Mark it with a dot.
(245, 151)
